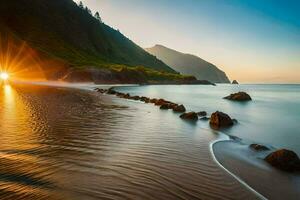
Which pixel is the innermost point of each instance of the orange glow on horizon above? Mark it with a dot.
(4, 76)
(20, 62)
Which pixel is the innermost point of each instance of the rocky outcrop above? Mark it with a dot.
(284, 160)
(220, 119)
(179, 109)
(234, 82)
(259, 147)
(189, 116)
(240, 96)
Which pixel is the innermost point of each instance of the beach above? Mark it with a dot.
(64, 143)
(249, 166)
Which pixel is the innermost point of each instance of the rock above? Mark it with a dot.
(126, 96)
(136, 98)
(160, 102)
(235, 82)
(100, 90)
(284, 159)
(119, 94)
(240, 96)
(202, 113)
(165, 106)
(111, 91)
(172, 105)
(259, 147)
(179, 109)
(145, 99)
(189, 116)
(153, 100)
(220, 119)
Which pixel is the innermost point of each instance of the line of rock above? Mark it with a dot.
(282, 159)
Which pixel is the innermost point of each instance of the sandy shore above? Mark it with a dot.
(250, 167)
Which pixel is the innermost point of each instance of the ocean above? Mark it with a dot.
(72, 143)
(272, 118)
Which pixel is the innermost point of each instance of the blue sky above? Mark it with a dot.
(253, 40)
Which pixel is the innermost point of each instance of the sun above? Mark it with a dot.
(4, 76)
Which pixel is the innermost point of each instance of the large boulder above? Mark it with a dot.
(189, 116)
(284, 159)
(220, 119)
(240, 96)
(179, 108)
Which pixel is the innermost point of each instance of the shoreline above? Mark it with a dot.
(235, 176)
(247, 166)
(215, 153)
(107, 140)
(254, 187)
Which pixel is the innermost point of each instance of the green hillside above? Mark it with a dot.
(61, 29)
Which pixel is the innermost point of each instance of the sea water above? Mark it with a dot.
(272, 118)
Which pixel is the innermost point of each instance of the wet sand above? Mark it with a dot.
(62, 143)
(249, 166)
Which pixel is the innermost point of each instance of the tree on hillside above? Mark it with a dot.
(88, 10)
(97, 16)
(81, 5)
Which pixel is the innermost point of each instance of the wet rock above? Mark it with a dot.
(284, 160)
(220, 119)
(153, 100)
(160, 102)
(145, 99)
(172, 105)
(102, 91)
(126, 96)
(189, 116)
(202, 113)
(111, 91)
(259, 147)
(165, 106)
(179, 109)
(119, 94)
(136, 98)
(234, 82)
(240, 96)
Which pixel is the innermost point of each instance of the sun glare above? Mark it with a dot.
(4, 76)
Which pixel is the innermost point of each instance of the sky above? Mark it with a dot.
(253, 41)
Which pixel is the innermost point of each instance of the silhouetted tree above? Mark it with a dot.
(97, 16)
(81, 5)
(88, 10)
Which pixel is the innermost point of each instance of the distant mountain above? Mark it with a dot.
(62, 30)
(189, 64)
